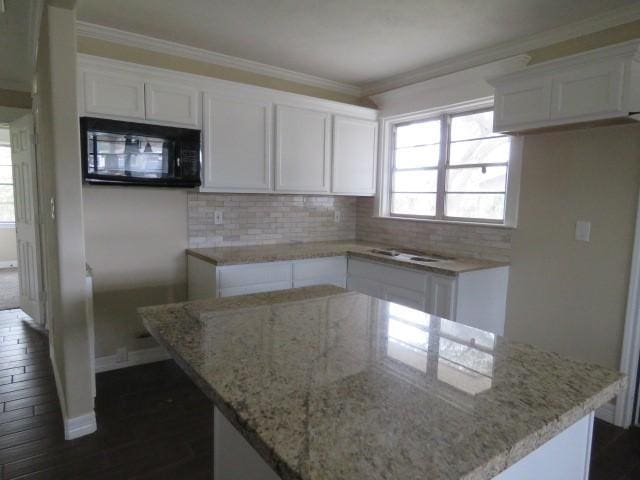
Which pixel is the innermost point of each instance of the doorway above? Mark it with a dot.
(9, 279)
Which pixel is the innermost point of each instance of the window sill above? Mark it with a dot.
(448, 222)
(7, 225)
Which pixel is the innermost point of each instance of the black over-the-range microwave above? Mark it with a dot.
(126, 153)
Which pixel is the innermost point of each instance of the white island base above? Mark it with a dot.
(565, 457)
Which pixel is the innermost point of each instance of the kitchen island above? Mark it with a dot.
(320, 383)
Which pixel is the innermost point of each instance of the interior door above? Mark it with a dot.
(23, 157)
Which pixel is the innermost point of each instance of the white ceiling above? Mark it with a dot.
(15, 53)
(351, 41)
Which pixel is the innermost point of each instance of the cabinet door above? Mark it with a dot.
(364, 285)
(403, 296)
(302, 150)
(253, 278)
(172, 103)
(237, 137)
(442, 296)
(594, 89)
(320, 271)
(521, 102)
(354, 156)
(113, 94)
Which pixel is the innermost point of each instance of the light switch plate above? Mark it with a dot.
(583, 231)
(217, 217)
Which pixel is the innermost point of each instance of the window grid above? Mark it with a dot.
(444, 167)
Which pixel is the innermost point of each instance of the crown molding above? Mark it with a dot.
(121, 37)
(600, 22)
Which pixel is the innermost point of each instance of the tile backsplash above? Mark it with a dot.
(257, 219)
(261, 219)
(489, 243)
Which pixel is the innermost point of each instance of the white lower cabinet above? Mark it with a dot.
(477, 298)
(206, 280)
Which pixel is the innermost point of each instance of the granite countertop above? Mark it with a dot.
(336, 385)
(296, 251)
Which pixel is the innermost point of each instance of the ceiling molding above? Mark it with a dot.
(600, 22)
(121, 37)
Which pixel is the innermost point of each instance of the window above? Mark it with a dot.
(7, 214)
(450, 167)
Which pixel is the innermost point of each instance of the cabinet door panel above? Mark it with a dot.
(403, 296)
(441, 296)
(320, 267)
(255, 273)
(354, 156)
(172, 103)
(364, 285)
(237, 144)
(396, 276)
(522, 102)
(337, 281)
(588, 90)
(113, 94)
(302, 150)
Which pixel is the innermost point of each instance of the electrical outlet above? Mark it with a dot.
(337, 216)
(217, 217)
(121, 355)
(583, 231)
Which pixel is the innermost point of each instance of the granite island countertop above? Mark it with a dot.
(336, 385)
(297, 251)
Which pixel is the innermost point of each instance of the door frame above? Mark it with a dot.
(629, 359)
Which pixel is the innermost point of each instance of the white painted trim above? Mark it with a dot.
(153, 44)
(9, 264)
(135, 357)
(606, 412)
(507, 49)
(631, 339)
(77, 427)
(211, 84)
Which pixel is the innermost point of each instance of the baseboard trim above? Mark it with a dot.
(606, 413)
(75, 427)
(135, 357)
(9, 264)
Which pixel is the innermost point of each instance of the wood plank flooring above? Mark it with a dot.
(153, 422)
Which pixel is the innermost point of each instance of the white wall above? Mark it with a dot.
(135, 241)
(569, 296)
(60, 180)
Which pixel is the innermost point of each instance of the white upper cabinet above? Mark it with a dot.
(598, 85)
(165, 102)
(592, 89)
(113, 94)
(237, 151)
(354, 156)
(302, 150)
(254, 139)
(522, 102)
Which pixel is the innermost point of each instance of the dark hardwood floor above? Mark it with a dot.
(153, 423)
